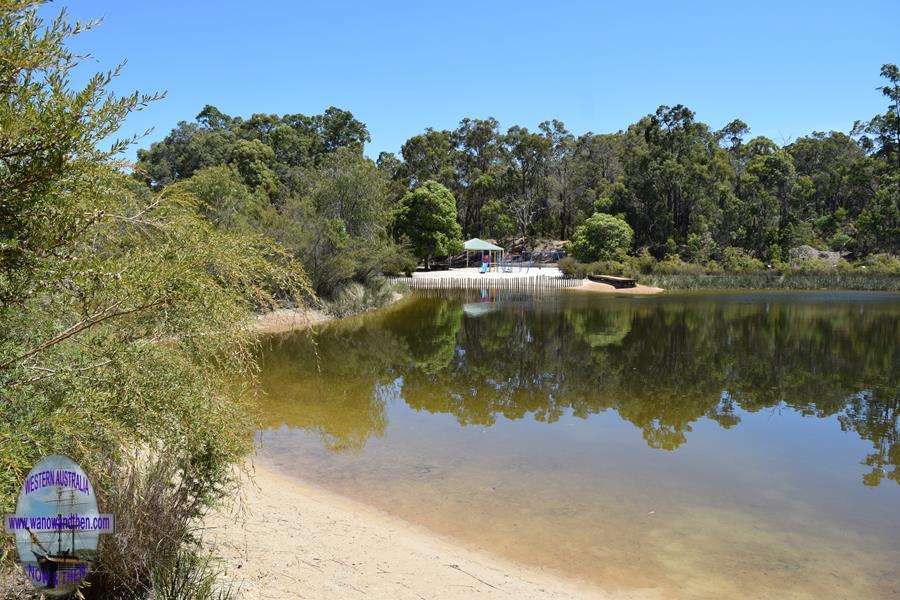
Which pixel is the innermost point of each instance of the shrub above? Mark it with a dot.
(567, 266)
(127, 333)
(886, 264)
(643, 263)
(356, 297)
(601, 237)
(400, 262)
(714, 268)
(811, 265)
(736, 260)
(673, 265)
(156, 551)
(607, 267)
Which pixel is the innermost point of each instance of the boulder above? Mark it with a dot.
(805, 253)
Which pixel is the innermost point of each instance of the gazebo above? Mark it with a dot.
(477, 245)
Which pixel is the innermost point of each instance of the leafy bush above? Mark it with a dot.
(643, 262)
(886, 264)
(568, 266)
(601, 237)
(714, 268)
(673, 265)
(572, 268)
(811, 265)
(736, 260)
(401, 261)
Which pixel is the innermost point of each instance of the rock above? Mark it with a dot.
(806, 253)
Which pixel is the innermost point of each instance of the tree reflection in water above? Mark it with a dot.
(662, 364)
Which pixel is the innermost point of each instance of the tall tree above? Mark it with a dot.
(881, 134)
(427, 219)
(561, 176)
(429, 156)
(672, 167)
(477, 156)
(527, 155)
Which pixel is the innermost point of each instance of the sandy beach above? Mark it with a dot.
(283, 538)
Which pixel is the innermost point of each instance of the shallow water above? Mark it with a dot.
(739, 445)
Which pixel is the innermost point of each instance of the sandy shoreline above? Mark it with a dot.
(284, 538)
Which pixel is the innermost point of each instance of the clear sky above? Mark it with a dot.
(786, 67)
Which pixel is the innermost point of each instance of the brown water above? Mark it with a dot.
(703, 446)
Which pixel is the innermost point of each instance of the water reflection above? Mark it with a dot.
(662, 364)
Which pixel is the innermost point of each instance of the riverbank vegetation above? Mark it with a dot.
(737, 269)
(123, 315)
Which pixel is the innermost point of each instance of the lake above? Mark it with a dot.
(702, 445)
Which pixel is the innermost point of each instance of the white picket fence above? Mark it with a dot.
(537, 283)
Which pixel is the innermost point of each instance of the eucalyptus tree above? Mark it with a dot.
(478, 157)
(429, 156)
(561, 175)
(527, 157)
(881, 134)
(672, 167)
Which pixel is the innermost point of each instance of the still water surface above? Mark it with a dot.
(701, 446)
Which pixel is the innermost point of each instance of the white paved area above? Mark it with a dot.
(493, 273)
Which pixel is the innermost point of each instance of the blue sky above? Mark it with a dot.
(786, 68)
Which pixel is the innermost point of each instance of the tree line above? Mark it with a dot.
(683, 188)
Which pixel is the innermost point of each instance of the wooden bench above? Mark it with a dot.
(616, 282)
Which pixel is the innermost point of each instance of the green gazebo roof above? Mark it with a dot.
(476, 244)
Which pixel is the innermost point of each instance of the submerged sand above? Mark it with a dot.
(288, 319)
(287, 539)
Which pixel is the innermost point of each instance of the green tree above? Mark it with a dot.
(427, 217)
(478, 169)
(881, 134)
(765, 193)
(601, 237)
(123, 313)
(225, 200)
(251, 159)
(879, 222)
(429, 156)
(673, 172)
(527, 157)
(497, 222)
(337, 224)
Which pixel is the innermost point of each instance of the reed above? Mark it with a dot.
(787, 281)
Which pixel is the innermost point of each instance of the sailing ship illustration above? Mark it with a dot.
(61, 561)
